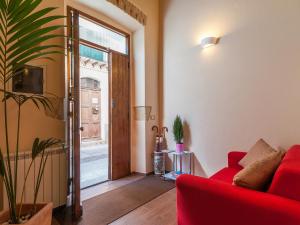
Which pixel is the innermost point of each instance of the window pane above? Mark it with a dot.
(92, 53)
(102, 36)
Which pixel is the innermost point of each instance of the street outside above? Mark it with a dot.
(94, 163)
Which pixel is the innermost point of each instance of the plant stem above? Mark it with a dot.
(39, 178)
(10, 181)
(5, 180)
(23, 189)
(17, 151)
(36, 188)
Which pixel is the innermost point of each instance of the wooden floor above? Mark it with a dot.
(159, 211)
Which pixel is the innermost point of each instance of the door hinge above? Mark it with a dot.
(71, 94)
(70, 181)
(70, 45)
(70, 114)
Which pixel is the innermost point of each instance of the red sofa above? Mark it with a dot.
(215, 201)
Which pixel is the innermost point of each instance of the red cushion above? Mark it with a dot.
(286, 181)
(226, 174)
(234, 158)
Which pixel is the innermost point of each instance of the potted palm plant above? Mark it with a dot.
(178, 134)
(24, 33)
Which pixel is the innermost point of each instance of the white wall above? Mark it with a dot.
(138, 153)
(244, 88)
(151, 34)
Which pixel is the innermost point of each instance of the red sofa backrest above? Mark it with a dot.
(286, 180)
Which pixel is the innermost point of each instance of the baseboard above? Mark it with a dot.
(143, 174)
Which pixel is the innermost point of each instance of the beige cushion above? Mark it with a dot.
(260, 150)
(258, 174)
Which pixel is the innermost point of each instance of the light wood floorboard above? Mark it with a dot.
(160, 211)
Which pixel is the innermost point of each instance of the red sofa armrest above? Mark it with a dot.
(234, 157)
(202, 201)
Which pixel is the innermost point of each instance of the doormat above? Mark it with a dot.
(112, 205)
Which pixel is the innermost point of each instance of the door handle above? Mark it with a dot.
(81, 128)
(113, 103)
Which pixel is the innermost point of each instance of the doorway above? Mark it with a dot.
(99, 104)
(94, 94)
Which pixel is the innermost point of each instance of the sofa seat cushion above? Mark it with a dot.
(226, 174)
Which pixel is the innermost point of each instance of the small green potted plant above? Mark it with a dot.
(178, 134)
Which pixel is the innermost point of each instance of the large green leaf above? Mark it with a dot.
(23, 30)
(13, 4)
(26, 34)
(34, 35)
(24, 9)
(18, 55)
(19, 65)
(37, 100)
(30, 19)
(39, 146)
(3, 5)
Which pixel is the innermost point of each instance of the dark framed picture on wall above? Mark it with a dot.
(30, 79)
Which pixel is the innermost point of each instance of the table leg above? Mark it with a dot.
(164, 165)
(191, 163)
(173, 169)
(176, 163)
(180, 161)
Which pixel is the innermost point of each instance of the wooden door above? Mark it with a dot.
(90, 109)
(119, 115)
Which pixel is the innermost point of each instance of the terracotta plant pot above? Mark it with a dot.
(42, 217)
(179, 148)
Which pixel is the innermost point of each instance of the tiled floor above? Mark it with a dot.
(94, 164)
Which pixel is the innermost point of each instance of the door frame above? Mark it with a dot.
(76, 95)
(103, 24)
(73, 113)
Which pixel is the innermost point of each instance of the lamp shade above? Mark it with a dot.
(209, 41)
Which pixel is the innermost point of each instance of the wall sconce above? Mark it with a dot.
(209, 41)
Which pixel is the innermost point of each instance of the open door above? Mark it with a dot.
(74, 128)
(118, 109)
(120, 115)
